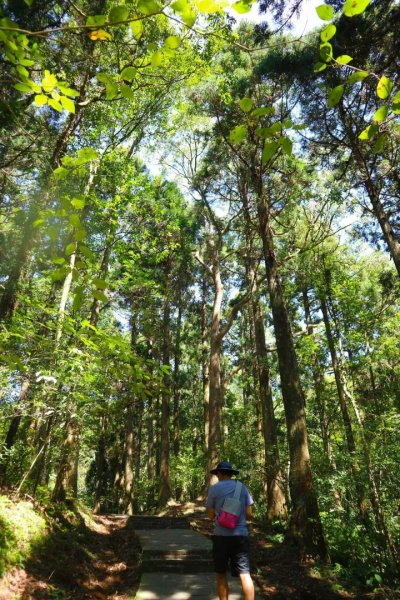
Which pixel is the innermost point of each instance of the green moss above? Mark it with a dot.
(21, 527)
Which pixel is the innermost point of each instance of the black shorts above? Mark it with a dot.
(231, 551)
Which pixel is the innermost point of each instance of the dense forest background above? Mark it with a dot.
(200, 260)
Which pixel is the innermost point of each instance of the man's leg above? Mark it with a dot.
(247, 586)
(222, 586)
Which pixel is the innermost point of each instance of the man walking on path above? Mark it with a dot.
(230, 546)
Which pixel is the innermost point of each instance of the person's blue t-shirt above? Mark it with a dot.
(216, 496)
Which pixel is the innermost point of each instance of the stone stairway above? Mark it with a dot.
(176, 561)
(169, 545)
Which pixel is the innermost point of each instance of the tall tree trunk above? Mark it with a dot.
(164, 493)
(305, 522)
(100, 462)
(67, 475)
(205, 353)
(348, 427)
(276, 499)
(176, 382)
(129, 457)
(216, 392)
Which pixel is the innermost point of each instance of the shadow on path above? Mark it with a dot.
(98, 561)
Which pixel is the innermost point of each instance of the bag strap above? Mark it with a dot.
(238, 490)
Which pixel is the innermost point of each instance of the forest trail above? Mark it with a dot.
(102, 559)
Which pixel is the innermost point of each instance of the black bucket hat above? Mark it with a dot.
(224, 467)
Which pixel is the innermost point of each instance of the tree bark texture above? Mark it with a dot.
(305, 522)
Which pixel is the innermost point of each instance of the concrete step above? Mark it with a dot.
(198, 565)
(153, 522)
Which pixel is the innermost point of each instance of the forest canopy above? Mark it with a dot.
(200, 260)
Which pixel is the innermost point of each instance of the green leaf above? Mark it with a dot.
(355, 7)
(328, 32)
(210, 6)
(269, 151)
(88, 153)
(319, 66)
(380, 143)
(54, 104)
(126, 92)
(68, 91)
(156, 59)
(40, 99)
(384, 87)
(104, 78)
(357, 76)
(38, 223)
(326, 51)
(172, 42)
(241, 6)
(22, 71)
(75, 220)
(68, 104)
(111, 91)
(300, 127)
(99, 295)
(246, 104)
(335, 95)
(101, 284)
(381, 114)
(128, 74)
(263, 132)
(137, 29)
(325, 12)
(26, 62)
(59, 274)
(343, 59)
(96, 20)
(87, 252)
(78, 203)
(287, 124)
(23, 87)
(264, 110)
(238, 134)
(80, 235)
(58, 260)
(78, 298)
(276, 127)
(118, 13)
(369, 132)
(149, 7)
(49, 81)
(287, 145)
(70, 248)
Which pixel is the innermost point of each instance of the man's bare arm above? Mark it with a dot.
(249, 511)
(211, 513)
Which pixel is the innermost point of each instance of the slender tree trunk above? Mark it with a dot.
(176, 382)
(129, 461)
(216, 392)
(348, 427)
(205, 353)
(305, 523)
(100, 466)
(164, 493)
